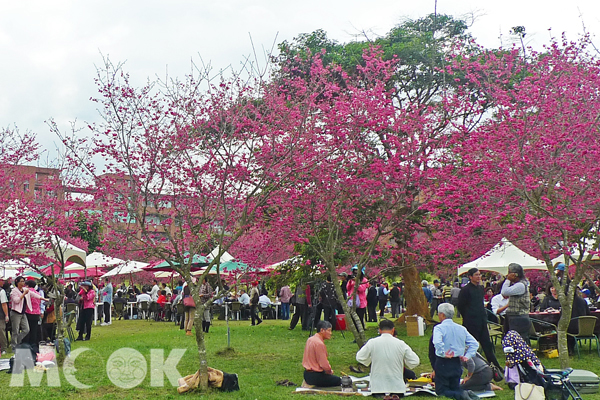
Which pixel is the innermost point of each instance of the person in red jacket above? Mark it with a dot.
(162, 299)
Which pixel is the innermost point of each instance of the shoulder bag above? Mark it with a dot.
(528, 391)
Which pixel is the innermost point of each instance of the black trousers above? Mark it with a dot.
(106, 312)
(35, 329)
(447, 377)
(87, 316)
(480, 332)
(299, 313)
(329, 315)
(382, 304)
(371, 312)
(49, 331)
(321, 379)
(254, 314)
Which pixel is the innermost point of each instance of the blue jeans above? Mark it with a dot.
(285, 310)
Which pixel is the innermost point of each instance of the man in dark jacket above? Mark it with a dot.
(328, 301)
(395, 300)
(372, 302)
(470, 305)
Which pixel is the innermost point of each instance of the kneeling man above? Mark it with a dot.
(317, 371)
(450, 344)
(388, 356)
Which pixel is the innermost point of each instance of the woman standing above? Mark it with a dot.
(87, 303)
(189, 310)
(18, 319)
(32, 313)
(361, 308)
(516, 288)
(206, 293)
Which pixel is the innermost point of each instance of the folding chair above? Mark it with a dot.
(118, 308)
(143, 309)
(585, 331)
(70, 317)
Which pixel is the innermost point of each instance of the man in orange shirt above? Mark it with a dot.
(317, 371)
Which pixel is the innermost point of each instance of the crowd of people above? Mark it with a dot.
(453, 348)
(29, 314)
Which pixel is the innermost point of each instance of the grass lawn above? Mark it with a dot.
(263, 355)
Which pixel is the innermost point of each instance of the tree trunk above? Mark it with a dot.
(203, 384)
(563, 325)
(352, 320)
(59, 291)
(416, 303)
(563, 352)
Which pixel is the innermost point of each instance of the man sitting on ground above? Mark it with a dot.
(388, 356)
(317, 370)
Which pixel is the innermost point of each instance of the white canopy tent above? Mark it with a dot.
(224, 257)
(128, 267)
(292, 260)
(498, 258)
(70, 252)
(42, 241)
(11, 268)
(97, 259)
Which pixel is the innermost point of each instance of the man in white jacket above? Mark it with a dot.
(388, 356)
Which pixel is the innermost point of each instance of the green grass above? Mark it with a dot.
(261, 356)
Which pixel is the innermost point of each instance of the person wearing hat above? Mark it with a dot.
(87, 304)
(585, 294)
(560, 269)
(516, 288)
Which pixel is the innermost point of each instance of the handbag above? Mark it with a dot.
(511, 375)
(497, 374)
(189, 302)
(528, 391)
(357, 302)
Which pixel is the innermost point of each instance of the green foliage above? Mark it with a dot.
(90, 231)
(420, 46)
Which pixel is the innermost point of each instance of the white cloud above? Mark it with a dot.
(49, 49)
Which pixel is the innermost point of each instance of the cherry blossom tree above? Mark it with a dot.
(530, 171)
(38, 215)
(194, 164)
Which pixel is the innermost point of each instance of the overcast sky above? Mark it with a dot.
(50, 49)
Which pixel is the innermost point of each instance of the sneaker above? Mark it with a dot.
(103, 324)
